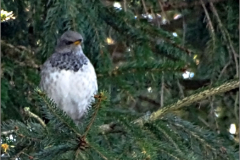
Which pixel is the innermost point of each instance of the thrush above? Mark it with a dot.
(69, 78)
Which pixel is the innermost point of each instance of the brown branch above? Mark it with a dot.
(144, 6)
(189, 100)
(163, 11)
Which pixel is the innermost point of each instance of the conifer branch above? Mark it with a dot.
(149, 100)
(132, 69)
(104, 157)
(30, 114)
(18, 154)
(171, 155)
(52, 107)
(173, 5)
(224, 69)
(170, 139)
(226, 37)
(99, 98)
(189, 100)
(17, 49)
(210, 25)
(196, 136)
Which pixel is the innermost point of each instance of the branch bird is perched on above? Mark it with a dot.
(68, 77)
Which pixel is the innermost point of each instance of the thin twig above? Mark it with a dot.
(223, 70)
(184, 30)
(162, 91)
(99, 98)
(125, 5)
(226, 37)
(171, 5)
(104, 157)
(30, 114)
(189, 100)
(236, 107)
(149, 100)
(201, 119)
(180, 89)
(209, 23)
(18, 154)
(163, 12)
(144, 6)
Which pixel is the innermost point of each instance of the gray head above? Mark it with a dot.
(70, 40)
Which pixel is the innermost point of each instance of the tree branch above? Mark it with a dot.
(226, 37)
(30, 114)
(101, 97)
(189, 100)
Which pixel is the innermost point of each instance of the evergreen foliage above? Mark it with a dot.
(144, 108)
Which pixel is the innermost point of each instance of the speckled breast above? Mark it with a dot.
(71, 84)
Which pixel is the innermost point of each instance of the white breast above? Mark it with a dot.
(72, 91)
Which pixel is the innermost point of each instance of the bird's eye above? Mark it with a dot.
(68, 42)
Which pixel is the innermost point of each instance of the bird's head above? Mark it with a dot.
(69, 41)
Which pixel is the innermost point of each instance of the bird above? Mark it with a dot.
(69, 78)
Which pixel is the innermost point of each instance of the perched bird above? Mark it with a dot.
(68, 77)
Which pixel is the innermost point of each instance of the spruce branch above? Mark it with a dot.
(104, 157)
(30, 114)
(210, 25)
(136, 68)
(224, 69)
(19, 154)
(156, 33)
(226, 37)
(101, 97)
(168, 5)
(169, 154)
(196, 136)
(16, 48)
(189, 100)
(169, 137)
(51, 106)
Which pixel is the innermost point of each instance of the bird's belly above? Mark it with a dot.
(72, 91)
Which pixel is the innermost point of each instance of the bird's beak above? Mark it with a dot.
(77, 42)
